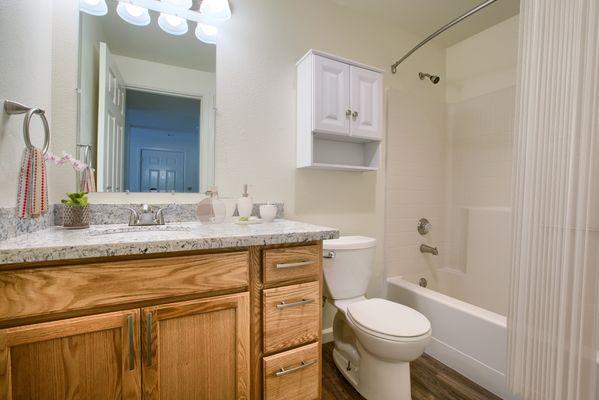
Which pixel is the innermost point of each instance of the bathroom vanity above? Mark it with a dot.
(212, 312)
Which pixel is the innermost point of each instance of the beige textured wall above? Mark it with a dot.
(25, 76)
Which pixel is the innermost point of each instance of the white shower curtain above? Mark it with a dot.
(552, 319)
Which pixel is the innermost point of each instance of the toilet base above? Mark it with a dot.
(374, 378)
(348, 369)
(383, 380)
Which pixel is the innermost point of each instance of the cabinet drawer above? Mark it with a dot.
(44, 291)
(293, 375)
(291, 263)
(291, 316)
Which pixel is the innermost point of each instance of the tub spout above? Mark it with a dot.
(424, 248)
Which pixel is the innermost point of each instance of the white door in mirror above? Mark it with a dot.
(111, 122)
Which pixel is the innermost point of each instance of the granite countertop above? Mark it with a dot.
(57, 243)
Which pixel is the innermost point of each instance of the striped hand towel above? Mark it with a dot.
(32, 196)
(88, 182)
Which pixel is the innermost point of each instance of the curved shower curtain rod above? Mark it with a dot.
(441, 30)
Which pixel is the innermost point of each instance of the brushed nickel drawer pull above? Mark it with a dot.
(282, 305)
(149, 339)
(287, 371)
(295, 264)
(131, 344)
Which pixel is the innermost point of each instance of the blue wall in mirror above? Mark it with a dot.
(162, 142)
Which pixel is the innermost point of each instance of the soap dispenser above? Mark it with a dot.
(245, 204)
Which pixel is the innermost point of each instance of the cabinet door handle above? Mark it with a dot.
(131, 343)
(287, 371)
(149, 339)
(355, 114)
(295, 264)
(348, 113)
(282, 305)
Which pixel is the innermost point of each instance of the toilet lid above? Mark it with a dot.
(389, 318)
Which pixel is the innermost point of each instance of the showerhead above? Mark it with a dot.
(433, 78)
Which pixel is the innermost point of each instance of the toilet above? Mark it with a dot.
(375, 339)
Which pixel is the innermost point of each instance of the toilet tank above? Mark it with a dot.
(348, 263)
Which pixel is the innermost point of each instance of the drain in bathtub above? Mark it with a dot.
(423, 282)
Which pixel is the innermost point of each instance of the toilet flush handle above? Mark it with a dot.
(331, 254)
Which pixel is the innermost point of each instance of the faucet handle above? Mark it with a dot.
(159, 216)
(133, 216)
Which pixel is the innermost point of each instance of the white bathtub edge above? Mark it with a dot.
(468, 308)
(471, 368)
(476, 370)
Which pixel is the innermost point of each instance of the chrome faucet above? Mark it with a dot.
(424, 248)
(147, 216)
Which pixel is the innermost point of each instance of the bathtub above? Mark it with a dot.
(467, 338)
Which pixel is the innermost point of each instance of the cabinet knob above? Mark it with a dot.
(355, 114)
(348, 112)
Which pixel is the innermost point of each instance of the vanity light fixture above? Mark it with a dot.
(172, 24)
(93, 7)
(133, 14)
(174, 14)
(181, 4)
(206, 33)
(216, 9)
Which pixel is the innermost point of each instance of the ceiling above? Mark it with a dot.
(153, 44)
(423, 17)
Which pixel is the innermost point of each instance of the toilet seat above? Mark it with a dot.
(388, 320)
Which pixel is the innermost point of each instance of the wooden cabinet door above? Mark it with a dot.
(197, 349)
(94, 357)
(366, 103)
(331, 91)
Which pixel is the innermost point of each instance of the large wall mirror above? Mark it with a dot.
(146, 103)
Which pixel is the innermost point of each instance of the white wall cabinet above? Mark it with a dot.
(339, 113)
(332, 96)
(366, 103)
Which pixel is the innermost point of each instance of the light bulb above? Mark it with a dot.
(93, 7)
(133, 14)
(206, 33)
(172, 24)
(216, 9)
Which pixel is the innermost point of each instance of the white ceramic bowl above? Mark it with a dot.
(268, 212)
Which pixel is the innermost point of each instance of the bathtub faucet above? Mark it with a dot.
(424, 248)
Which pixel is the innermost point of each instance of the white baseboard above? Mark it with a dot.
(327, 335)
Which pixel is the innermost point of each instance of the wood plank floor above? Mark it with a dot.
(431, 380)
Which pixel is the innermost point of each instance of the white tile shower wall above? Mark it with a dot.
(416, 159)
(451, 162)
(480, 141)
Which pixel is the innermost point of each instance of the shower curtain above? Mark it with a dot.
(552, 318)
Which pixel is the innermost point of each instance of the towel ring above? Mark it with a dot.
(26, 124)
(12, 107)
